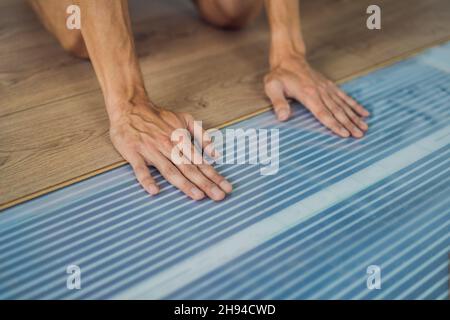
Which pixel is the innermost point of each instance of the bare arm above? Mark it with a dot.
(291, 76)
(139, 130)
(108, 37)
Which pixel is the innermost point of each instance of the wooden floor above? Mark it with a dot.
(53, 126)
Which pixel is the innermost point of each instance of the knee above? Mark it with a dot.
(74, 44)
(230, 14)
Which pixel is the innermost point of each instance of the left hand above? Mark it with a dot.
(295, 78)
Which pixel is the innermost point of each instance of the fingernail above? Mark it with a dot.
(363, 125)
(357, 133)
(344, 132)
(283, 115)
(226, 186)
(197, 193)
(217, 193)
(153, 189)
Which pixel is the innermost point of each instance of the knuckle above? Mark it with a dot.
(355, 120)
(335, 108)
(343, 115)
(354, 117)
(139, 169)
(147, 143)
(146, 180)
(208, 170)
(185, 185)
(349, 112)
(166, 143)
(218, 179)
(190, 170)
(205, 184)
(348, 123)
(214, 176)
(171, 171)
(331, 122)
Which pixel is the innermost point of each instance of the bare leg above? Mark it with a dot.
(233, 14)
(53, 15)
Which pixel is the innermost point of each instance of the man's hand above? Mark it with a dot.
(142, 135)
(294, 78)
(140, 132)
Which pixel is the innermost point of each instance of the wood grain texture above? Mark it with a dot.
(53, 126)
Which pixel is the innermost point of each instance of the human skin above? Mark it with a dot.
(141, 131)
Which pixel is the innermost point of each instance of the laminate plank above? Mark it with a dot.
(53, 127)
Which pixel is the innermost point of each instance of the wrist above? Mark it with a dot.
(284, 49)
(286, 59)
(121, 106)
(123, 87)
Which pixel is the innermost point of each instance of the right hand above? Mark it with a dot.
(142, 135)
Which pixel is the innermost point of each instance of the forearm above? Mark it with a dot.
(285, 29)
(108, 37)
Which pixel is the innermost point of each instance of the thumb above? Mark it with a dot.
(274, 90)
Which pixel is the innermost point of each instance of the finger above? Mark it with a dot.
(340, 115)
(321, 112)
(275, 92)
(189, 151)
(215, 177)
(202, 137)
(351, 102)
(356, 119)
(174, 176)
(143, 175)
(193, 173)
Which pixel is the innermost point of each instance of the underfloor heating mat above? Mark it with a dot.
(340, 219)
